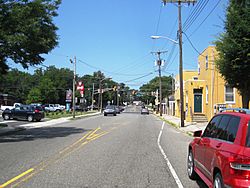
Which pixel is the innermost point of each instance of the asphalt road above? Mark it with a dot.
(113, 151)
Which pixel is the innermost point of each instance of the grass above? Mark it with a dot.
(56, 115)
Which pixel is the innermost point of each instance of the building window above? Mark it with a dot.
(207, 94)
(206, 62)
(229, 94)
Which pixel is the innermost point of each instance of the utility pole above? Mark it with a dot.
(118, 95)
(100, 95)
(74, 85)
(159, 63)
(180, 53)
(93, 90)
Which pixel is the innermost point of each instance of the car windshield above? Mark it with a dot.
(110, 107)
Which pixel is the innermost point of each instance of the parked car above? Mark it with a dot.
(110, 109)
(24, 112)
(51, 108)
(95, 107)
(144, 111)
(220, 155)
(117, 109)
(62, 107)
(10, 107)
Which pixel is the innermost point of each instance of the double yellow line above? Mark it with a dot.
(90, 136)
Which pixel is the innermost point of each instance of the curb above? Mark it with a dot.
(9, 130)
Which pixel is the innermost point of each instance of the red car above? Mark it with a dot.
(220, 155)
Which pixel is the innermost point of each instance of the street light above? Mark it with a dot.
(158, 37)
(180, 71)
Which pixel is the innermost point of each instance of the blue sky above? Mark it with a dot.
(114, 36)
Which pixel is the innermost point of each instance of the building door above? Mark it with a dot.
(197, 103)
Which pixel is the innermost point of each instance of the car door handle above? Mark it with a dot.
(218, 145)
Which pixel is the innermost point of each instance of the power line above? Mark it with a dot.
(139, 77)
(195, 15)
(116, 73)
(193, 45)
(205, 18)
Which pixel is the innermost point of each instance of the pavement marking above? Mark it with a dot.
(90, 136)
(16, 178)
(176, 178)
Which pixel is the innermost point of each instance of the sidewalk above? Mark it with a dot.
(5, 129)
(189, 127)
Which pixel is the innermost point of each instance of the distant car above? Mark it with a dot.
(24, 112)
(220, 155)
(110, 109)
(117, 109)
(144, 111)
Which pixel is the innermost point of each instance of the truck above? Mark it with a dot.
(10, 107)
(51, 108)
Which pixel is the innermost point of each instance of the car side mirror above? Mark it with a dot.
(197, 133)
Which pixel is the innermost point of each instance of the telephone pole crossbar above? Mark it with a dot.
(180, 53)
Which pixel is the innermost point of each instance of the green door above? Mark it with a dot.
(197, 103)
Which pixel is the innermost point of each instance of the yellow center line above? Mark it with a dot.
(16, 178)
(86, 135)
(90, 136)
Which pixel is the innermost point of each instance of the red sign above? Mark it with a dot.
(80, 86)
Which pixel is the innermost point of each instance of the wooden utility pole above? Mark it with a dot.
(159, 63)
(74, 85)
(180, 53)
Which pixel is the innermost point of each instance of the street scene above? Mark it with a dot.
(125, 93)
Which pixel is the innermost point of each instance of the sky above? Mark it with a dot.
(113, 36)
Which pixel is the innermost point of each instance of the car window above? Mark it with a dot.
(109, 107)
(221, 132)
(232, 129)
(211, 128)
(248, 136)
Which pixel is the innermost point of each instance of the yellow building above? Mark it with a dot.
(205, 91)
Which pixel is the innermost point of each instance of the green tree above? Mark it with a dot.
(153, 85)
(234, 48)
(17, 84)
(26, 31)
(34, 96)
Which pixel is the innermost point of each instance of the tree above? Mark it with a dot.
(153, 85)
(234, 48)
(26, 31)
(34, 96)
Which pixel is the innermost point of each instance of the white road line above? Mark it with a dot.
(176, 178)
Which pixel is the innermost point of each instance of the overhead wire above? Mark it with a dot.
(205, 17)
(195, 15)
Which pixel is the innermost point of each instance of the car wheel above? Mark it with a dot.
(218, 181)
(30, 118)
(6, 116)
(190, 166)
(105, 114)
(114, 114)
(38, 120)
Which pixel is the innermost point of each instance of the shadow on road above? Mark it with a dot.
(41, 133)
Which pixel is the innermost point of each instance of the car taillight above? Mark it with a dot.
(240, 166)
(37, 111)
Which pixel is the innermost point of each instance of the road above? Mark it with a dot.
(126, 150)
